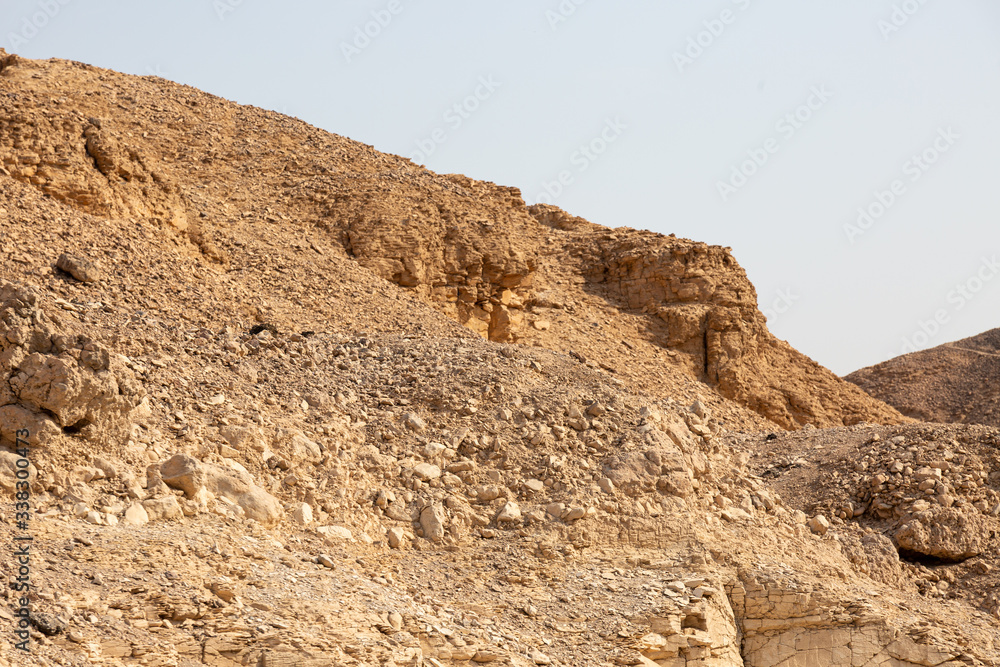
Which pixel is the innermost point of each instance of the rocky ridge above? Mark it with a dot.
(107, 145)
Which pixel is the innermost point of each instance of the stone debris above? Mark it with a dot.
(509, 513)
(302, 513)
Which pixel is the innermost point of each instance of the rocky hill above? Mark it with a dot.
(952, 383)
(285, 400)
(237, 187)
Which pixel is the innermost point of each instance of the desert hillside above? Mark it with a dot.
(953, 383)
(255, 198)
(283, 400)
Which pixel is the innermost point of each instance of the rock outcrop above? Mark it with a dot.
(55, 382)
(460, 244)
(702, 306)
(794, 623)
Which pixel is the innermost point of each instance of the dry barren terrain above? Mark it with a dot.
(286, 400)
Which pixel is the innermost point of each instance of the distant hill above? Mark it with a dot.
(955, 382)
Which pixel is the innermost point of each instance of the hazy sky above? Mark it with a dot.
(764, 125)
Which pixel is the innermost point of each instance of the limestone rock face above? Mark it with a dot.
(703, 631)
(449, 249)
(635, 473)
(695, 298)
(55, 382)
(702, 305)
(89, 164)
(795, 623)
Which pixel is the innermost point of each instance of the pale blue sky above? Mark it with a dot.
(672, 131)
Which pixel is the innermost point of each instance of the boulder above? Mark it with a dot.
(819, 524)
(509, 513)
(426, 471)
(432, 521)
(79, 267)
(163, 508)
(336, 534)
(136, 515)
(191, 476)
(302, 513)
(397, 537)
(947, 534)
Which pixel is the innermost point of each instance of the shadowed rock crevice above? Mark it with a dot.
(930, 561)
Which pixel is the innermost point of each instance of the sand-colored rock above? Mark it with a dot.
(192, 476)
(58, 382)
(136, 515)
(944, 533)
(162, 509)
